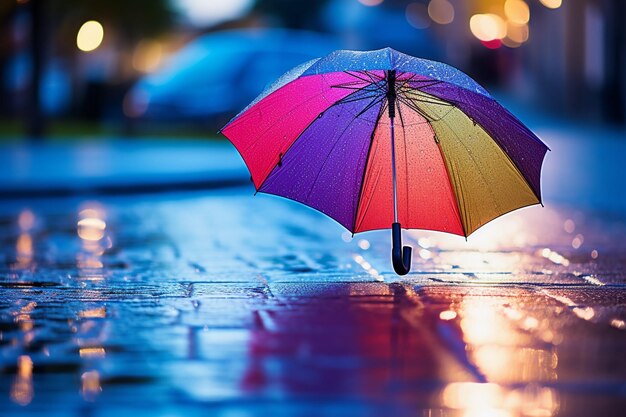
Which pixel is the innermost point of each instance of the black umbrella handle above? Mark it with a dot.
(400, 256)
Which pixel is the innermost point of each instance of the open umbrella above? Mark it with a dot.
(380, 138)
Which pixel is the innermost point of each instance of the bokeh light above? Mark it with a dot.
(517, 11)
(487, 27)
(89, 36)
(417, 15)
(441, 11)
(517, 33)
(147, 56)
(552, 4)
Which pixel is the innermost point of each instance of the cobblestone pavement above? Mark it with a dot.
(222, 304)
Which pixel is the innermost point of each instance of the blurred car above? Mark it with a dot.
(361, 27)
(218, 74)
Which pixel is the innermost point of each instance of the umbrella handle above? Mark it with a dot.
(400, 255)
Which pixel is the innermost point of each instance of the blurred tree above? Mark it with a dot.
(55, 23)
(130, 20)
(297, 14)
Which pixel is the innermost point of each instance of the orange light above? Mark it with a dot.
(22, 389)
(487, 27)
(147, 56)
(447, 315)
(90, 385)
(552, 4)
(96, 313)
(517, 11)
(94, 352)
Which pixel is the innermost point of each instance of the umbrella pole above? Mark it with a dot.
(400, 255)
(393, 171)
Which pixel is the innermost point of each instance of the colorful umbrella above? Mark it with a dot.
(381, 138)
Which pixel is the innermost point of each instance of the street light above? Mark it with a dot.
(89, 36)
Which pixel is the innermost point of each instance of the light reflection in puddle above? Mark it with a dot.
(618, 324)
(91, 229)
(593, 280)
(488, 399)
(368, 267)
(497, 357)
(22, 391)
(99, 312)
(554, 257)
(569, 226)
(425, 254)
(494, 335)
(364, 244)
(24, 251)
(582, 312)
(93, 352)
(578, 241)
(447, 315)
(91, 387)
(484, 399)
(509, 231)
(26, 323)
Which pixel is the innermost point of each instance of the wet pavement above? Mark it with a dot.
(219, 303)
(216, 302)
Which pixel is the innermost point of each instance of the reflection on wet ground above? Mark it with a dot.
(225, 304)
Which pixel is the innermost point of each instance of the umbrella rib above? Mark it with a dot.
(452, 187)
(404, 82)
(352, 74)
(514, 163)
(354, 98)
(369, 106)
(420, 96)
(430, 83)
(372, 74)
(375, 82)
(513, 120)
(443, 119)
(348, 86)
(411, 103)
(471, 155)
(367, 157)
(283, 117)
(370, 80)
(414, 107)
(338, 102)
(369, 202)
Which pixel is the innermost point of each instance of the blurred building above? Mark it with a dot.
(577, 58)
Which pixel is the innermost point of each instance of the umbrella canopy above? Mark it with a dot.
(323, 135)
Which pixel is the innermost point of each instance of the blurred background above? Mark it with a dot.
(138, 275)
(88, 69)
